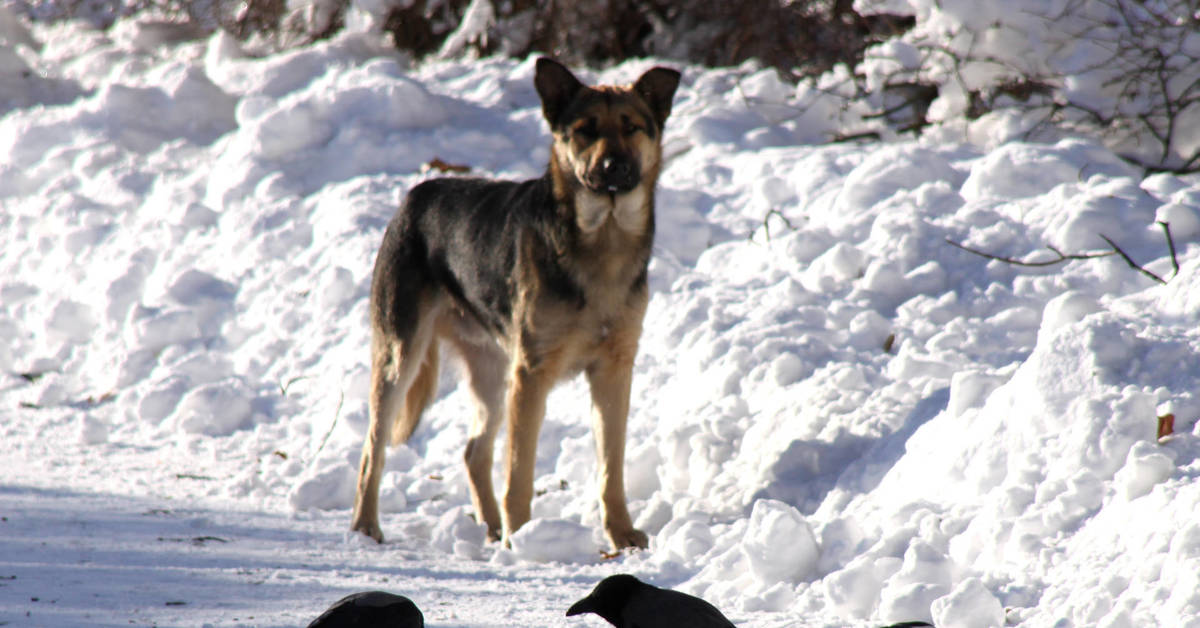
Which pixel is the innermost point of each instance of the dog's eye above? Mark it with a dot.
(587, 130)
(628, 127)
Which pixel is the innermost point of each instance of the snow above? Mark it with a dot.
(838, 419)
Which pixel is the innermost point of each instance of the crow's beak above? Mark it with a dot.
(581, 607)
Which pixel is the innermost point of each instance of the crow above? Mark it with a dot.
(626, 602)
(371, 609)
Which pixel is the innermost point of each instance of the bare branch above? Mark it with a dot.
(1166, 226)
(1060, 256)
(1129, 260)
(336, 415)
(766, 223)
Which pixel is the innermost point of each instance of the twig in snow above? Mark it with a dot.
(1061, 257)
(31, 376)
(194, 476)
(336, 415)
(1170, 245)
(767, 223)
(283, 388)
(1129, 260)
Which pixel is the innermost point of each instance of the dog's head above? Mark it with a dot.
(609, 138)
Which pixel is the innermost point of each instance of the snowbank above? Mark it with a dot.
(837, 415)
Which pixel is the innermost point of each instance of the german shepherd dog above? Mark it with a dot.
(531, 282)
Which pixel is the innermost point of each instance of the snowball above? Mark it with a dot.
(193, 287)
(909, 602)
(161, 400)
(969, 389)
(925, 563)
(328, 488)
(92, 431)
(686, 540)
(654, 516)
(1063, 310)
(641, 470)
(869, 330)
(290, 130)
(840, 263)
(884, 278)
(766, 85)
(906, 366)
(72, 320)
(969, 605)
(1145, 467)
(855, 588)
(555, 541)
(1181, 296)
(788, 369)
(336, 288)
(458, 533)
(215, 409)
(391, 492)
(775, 599)
(155, 328)
(928, 278)
(1184, 220)
(779, 543)
(774, 191)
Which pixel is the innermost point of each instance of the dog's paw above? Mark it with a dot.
(371, 530)
(630, 537)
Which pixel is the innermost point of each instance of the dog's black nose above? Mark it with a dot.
(617, 174)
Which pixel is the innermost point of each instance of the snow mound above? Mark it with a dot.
(836, 414)
(556, 540)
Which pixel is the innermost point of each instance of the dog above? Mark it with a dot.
(530, 282)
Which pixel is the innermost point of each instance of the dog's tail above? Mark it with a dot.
(420, 393)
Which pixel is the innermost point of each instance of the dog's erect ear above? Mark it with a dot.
(657, 88)
(556, 86)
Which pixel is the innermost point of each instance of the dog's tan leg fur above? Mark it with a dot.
(486, 369)
(610, 380)
(384, 403)
(528, 389)
(420, 393)
(394, 367)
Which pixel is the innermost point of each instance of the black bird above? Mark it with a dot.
(371, 609)
(626, 602)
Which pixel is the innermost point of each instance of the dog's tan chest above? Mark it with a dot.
(630, 212)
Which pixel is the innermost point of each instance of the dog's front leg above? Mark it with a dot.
(528, 388)
(610, 382)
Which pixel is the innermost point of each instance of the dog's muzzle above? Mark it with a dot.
(614, 175)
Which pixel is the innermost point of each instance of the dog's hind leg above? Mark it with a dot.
(395, 364)
(420, 393)
(486, 369)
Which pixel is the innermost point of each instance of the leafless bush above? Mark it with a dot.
(798, 37)
(1152, 52)
(1125, 71)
